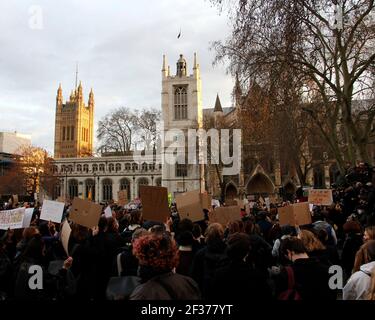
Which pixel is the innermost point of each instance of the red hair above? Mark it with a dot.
(158, 251)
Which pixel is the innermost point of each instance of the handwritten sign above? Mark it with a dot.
(12, 219)
(206, 200)
(154, 203)
(320, 197)
(52, 211)
(85, 212)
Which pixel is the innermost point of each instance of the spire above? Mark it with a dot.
(195, 66)
(218, 107)
(59, 90)
(91, 98)
(169, 71)
(164, 70)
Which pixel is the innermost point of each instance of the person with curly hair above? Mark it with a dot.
(157, 255)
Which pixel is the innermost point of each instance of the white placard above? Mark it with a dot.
(12, 219)
(27, 217)
(108, 212)
(52, 211)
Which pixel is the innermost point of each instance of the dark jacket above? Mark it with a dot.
(351, 245)
(239, 281)
(168, 286)
(311, 280)
(206, 262)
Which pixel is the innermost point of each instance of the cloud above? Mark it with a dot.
(119, 47)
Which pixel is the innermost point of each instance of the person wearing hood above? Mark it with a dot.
(358, 285)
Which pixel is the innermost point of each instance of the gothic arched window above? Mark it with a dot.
(180, 103)
(107, 189)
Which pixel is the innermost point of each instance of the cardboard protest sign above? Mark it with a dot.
(122, 197)
(154, 203)
(224, 215)
(52, 211)
(189, 205)
(206, 200)
(12, 219)
(85, 212)
(320, 197)
(27, 217)
(108, 212)
(295, 214)
(65, 235)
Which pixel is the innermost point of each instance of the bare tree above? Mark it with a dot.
(116, 130)
(334, 62)
(147, 120)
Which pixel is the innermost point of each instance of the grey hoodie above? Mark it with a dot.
(358, 284)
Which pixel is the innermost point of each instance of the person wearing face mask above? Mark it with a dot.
(311, 277)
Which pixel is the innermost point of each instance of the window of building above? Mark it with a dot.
(144, 166)
(63, 133)
(79, 167)
(180, 103)
(90, 189)
(86, 168)
(134, 166)
(181, 170)
(107, 189)
(101, 167)
(94, 167)
(111, 167)
(67, 132)
(127, 166)
(125, 185)
(118, 167)
(72, 133)
(73, 188)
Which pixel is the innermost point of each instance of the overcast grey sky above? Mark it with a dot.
(119, 46)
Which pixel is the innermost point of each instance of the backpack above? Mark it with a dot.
(291, 293)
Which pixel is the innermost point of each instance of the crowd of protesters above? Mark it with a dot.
(125, 257)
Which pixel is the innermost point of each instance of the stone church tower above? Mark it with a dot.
(74, 125)
(181, 103)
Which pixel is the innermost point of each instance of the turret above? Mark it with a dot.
(59, 96)
(91, 99)
(181, 66)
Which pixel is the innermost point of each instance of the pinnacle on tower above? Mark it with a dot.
(218, 107)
